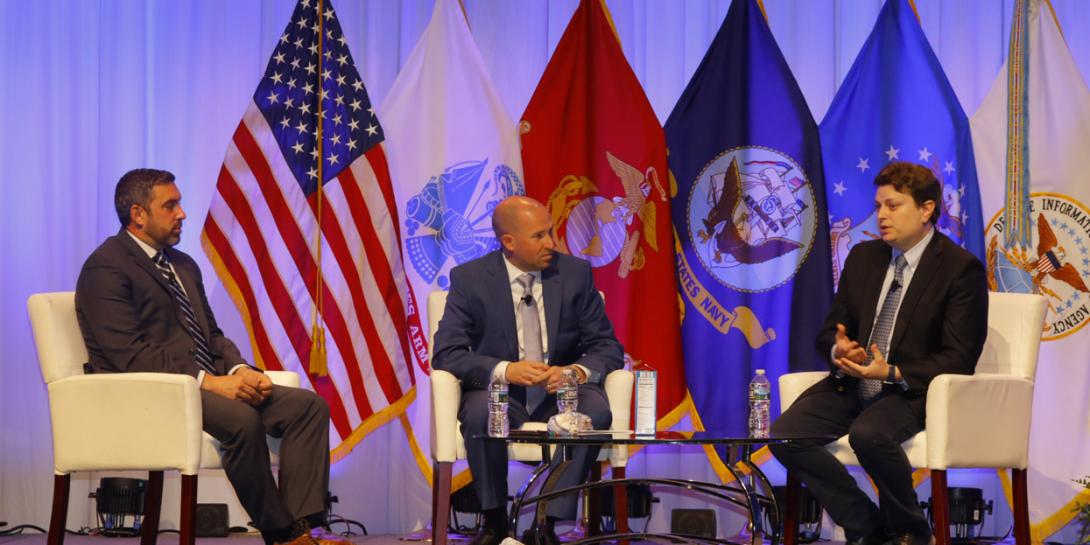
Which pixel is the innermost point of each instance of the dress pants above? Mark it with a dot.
(488, 458)
(300, 418)
(875, 433)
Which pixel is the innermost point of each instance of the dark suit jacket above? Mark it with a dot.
(943, 319)
(478, 326)
(131, 322)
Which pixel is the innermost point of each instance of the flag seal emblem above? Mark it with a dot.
(448, 221)
(752, 218)
(1056, 264)
(602, 229)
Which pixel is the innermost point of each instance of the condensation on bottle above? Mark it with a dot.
(759, 403)
(498, 426)
(567, 395)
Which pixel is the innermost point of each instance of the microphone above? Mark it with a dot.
(528, 299)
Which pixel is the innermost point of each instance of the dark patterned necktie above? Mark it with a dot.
(883, 327)
(531, 336)
(202, 354)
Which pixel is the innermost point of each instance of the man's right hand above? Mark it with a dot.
(847, 348)
(232, 387)
(525, 373)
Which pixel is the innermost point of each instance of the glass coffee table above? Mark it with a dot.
(750, 490)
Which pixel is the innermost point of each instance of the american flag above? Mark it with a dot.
(261, 231)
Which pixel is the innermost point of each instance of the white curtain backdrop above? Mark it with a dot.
(92, 88)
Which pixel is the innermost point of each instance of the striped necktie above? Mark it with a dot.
(202, 354)
(883, 328)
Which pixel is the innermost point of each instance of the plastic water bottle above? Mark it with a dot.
(498, 425)
(759, 399)
(567, 395)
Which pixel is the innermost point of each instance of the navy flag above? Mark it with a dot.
(753, 255)
(897, 105)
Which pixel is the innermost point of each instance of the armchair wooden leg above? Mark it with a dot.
(620, 504)
(188, 524)
(1021, 506)
(153, 503)
(940, 506)
(61, 486)
(792, 500)
(593, 508)
(440, 501)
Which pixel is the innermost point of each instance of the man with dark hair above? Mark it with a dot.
(141, 306)
(522, 315)
(909, 307)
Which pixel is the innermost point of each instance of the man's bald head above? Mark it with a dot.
(524, 229)
(506, 217)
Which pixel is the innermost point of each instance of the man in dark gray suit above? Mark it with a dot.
(910, 307)
(522, 315)
(141, 306)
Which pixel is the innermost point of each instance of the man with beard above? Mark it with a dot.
(141, 306)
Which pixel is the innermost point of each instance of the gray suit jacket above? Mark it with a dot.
(131, 322)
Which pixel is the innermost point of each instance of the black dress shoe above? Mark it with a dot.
(877, 537)
(489, 536)
(540, 536)
(909, 538)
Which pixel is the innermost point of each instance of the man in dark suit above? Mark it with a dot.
(909, 307)
(141, 306)
(522, 315)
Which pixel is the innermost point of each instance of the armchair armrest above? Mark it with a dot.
(792, 385)
(126, 421)
(618, 386)
(284, 378)
(978, 421)
(446, 394)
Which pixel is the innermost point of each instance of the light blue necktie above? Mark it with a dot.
(531, 336)
(883, 328)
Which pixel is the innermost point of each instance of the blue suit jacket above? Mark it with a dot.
(478, 329)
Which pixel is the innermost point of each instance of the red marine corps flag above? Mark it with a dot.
(303, 232)
(595, 154)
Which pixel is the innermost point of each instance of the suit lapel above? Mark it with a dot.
(498, 291)
(141, 259)
(925, 272)
(873, 290)
(552, 291)
(191, 291)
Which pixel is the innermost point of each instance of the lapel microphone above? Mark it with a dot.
(528, 299)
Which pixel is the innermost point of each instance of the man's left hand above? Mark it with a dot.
(878, 368)
(550, 378)
(259, 381)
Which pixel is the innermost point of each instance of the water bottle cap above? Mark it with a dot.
(760, 371)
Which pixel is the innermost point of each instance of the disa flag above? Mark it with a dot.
(753, 256)
(454, 155)
(595, 154)
(1033, 131)
(897, 105)
(262, 232)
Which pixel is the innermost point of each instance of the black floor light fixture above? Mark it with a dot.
(116, 500)
(967, 509)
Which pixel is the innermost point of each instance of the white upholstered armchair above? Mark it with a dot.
(160, 412)
(979, 421)
(446, 437)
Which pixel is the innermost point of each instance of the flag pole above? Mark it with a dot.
(318, 363)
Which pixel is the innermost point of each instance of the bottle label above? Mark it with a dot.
(646, 401)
